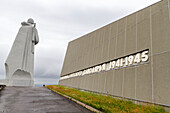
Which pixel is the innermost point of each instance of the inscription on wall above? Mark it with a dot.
(129, 60)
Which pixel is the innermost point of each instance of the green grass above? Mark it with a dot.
(105, 103)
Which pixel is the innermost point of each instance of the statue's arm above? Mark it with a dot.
(36, 37)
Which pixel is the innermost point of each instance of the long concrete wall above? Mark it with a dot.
(148, 29)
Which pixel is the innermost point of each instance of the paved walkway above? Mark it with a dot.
(36, 100)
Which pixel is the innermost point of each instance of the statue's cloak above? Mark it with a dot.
(20, 61)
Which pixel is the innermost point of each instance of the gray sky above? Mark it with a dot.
(58, 22)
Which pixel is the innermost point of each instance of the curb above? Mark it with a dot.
(78, 102)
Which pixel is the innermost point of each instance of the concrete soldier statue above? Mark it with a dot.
(20, 61)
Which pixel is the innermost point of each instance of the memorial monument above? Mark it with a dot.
(20, 61)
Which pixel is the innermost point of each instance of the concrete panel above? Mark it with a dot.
(76, 80)
(117, 86)
(95, 55)
(121, 25)
(101, 44)
(144, 82)
(86, 50)
(66, 61)
(104, 80)
(156, 7)
(90, 51)
(130, 40)
(106, 37)
(70, 69)
(90, 82)
(92, 57)
(143, 14)
(68, 82)
(109, 81)
(120, 45)
(73, 57)
(98, 55)
(81, 52)
(82, 64)
(112, 44)
(77, 59)
(93, 77)
(114, 29)
(112, 40)
(161, 31)
(129, 82)
(81, 82)
(101, 81)
(97, 49)
(161, 78)
(86, 82)
(143, 34)
(131, 20)
(120, 38)
(96, 83)
(71, 82)
(96, 43)
(64, 82)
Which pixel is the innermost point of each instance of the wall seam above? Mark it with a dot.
(169, 7)
(108, 47)
(105, 74)
(124, 54)
(109, 39)
(115, 54)
(151, 54)
(103, 37)
(94, 58)
(136, 51)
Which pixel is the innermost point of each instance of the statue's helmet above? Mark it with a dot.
(30, 20)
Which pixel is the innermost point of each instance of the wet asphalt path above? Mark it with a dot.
(36, 100)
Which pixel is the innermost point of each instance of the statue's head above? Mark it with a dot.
(30, 20)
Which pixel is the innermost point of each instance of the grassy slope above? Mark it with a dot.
(104, 103)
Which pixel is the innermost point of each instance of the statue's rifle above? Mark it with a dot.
(34, 24)
(33, 40)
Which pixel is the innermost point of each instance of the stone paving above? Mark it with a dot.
(36, 100)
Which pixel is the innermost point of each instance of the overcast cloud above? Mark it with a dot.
(58, 22)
